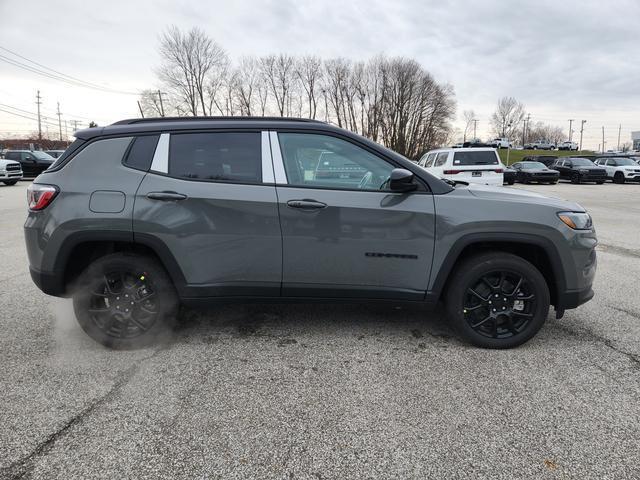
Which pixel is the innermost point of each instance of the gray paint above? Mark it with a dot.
(227, 238)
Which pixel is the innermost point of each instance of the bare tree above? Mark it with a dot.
(150, 103)
(246, 79)
(189, 60)
(507, 117)
(543, 131)
(309, 72)
(279, 75)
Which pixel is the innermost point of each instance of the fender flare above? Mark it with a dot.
(498, 237)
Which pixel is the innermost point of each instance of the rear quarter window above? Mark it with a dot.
(475, 158)
(141, 152)
(441, 159)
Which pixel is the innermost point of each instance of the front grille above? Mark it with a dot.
(12, 167)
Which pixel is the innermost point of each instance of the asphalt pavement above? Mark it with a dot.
(326, 391)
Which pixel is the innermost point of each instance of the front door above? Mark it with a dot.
(344, 233)
(206, 202)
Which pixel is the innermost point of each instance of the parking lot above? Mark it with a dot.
(326, 391)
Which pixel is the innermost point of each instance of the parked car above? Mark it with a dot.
(580, 170)
(144, 214)
(547, 160)
(620, 169)
(509, 176)
(10, 172)
(54, 153)
(540, 145)
(568, 146)
(33, 162)
(500, 143)
(528, 172)
(471, 165)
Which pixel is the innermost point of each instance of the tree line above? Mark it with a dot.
(393, 101)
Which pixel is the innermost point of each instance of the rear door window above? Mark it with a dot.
(430, 159)
(475, 158)
(441, 159)
(216, 156)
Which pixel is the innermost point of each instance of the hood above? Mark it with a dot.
(4, 163)
(518, 195)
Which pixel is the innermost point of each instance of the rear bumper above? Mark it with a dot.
(49, 283)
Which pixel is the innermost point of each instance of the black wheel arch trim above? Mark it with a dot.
(156, 245)
(465, 241)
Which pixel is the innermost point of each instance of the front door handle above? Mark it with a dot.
(306, 204)
(166, 196)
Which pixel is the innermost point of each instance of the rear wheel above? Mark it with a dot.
(618, 177)
(575, 178)
(497, 300)
(125, 301)
(10, 182)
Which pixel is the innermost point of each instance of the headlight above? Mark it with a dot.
(576, 220)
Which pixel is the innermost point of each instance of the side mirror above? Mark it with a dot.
(401, 180)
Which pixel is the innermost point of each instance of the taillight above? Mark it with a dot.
(452, 172)
(498, 170)
(40, 196)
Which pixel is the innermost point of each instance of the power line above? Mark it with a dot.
(55, 74)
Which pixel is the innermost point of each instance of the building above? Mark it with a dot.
(635, 138)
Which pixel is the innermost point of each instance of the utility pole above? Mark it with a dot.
(603, 139)
(161, 104)
(66, 131)
(475, 127)
(59, 122)
(581, 131)
(140, 108)
(38, 103)
(619, 131)
(570, 123)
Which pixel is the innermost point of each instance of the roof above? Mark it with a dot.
(169, 124)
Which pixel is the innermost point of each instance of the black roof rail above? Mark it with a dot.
(131, 121)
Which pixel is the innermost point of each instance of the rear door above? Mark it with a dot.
(209, 203)
(349, 236)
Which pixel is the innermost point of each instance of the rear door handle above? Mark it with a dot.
(306, 204)
(166, 196)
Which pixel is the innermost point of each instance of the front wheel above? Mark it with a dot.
(618, 177)
(10, 182)
(497, 300)
(125, 301)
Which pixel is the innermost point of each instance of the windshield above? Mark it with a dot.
(533, 165)
(475, 158)
(581, 162)
(42, 156)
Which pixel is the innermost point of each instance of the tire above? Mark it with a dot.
(495, 326)
(123, 281)
(10, 182)
(511, 182)
(600, 182)
(575, 178)
(618, 177)
(554, 182)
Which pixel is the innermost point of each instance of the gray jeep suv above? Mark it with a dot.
(142, 215)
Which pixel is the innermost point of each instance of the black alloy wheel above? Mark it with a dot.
(497, 300)
(500, 304)
(125, 300)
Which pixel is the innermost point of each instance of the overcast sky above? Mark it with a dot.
(565, 59)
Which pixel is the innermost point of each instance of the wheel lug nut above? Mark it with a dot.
(504, 308)
(489, 302)
(117, 298)
(494, 309)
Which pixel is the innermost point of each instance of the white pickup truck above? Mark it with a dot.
(500, 143)
(10, 172)
(568, 146)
